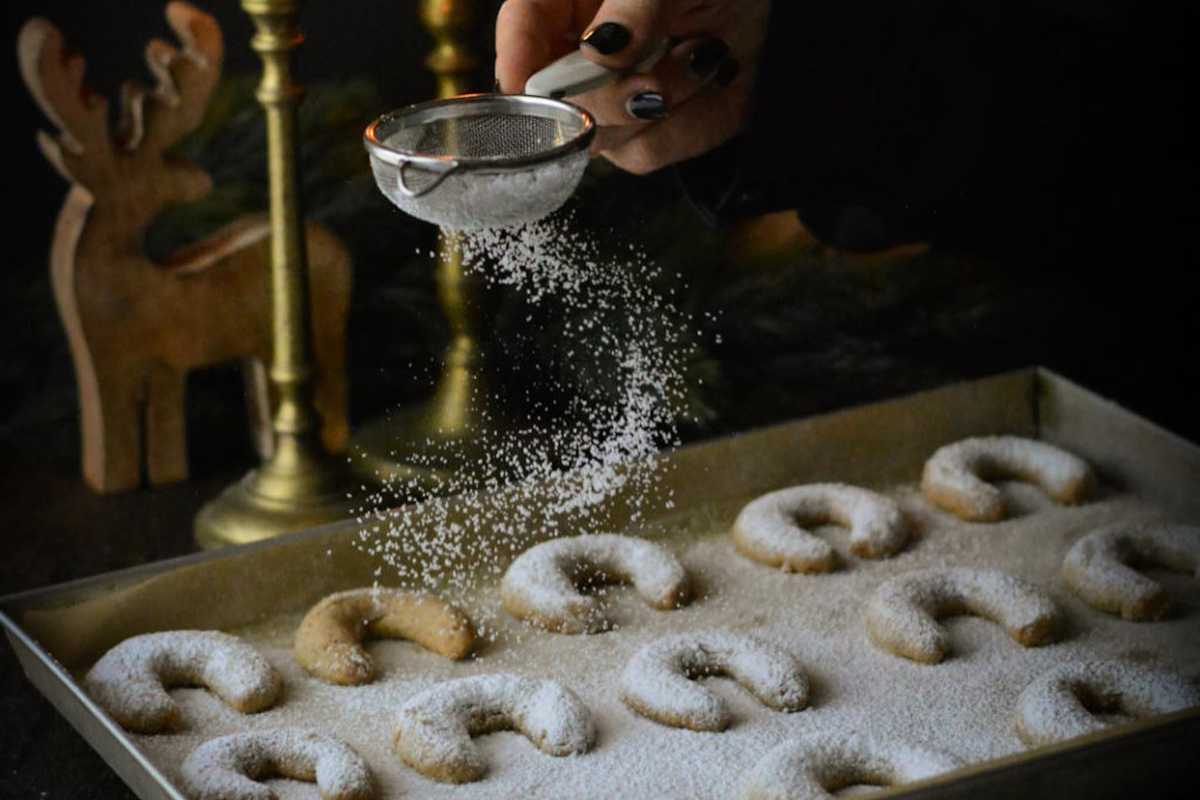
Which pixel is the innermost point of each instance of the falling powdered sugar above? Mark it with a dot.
(548, 472)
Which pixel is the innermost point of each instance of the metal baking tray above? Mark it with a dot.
(882, 442)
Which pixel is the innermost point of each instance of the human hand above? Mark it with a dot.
(694, 99)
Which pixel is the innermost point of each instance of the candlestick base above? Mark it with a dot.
(268, 502)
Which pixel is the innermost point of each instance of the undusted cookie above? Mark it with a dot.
(230, 767)
(954, 477)
(769, 529)
(659, 681)
(902, 614)
(329, 640)
(436, 726)
(131, 680)
(1097, 567)
(1059, 704)
(540, 585)
(816, 765)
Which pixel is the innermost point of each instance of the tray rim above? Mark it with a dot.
(18, 637)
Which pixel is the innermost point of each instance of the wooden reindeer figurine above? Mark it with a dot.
(135, 326)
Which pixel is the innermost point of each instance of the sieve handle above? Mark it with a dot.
(574, 74)
(444, 169)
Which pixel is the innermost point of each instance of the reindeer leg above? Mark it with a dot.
(166, 425)
(112, 442)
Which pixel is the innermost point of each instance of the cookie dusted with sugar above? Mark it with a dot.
(230, 767)
(131, 680)
(329, 640)
(902, 614)
(816, 766)
(771, 529)
(955, 476)
(436, 726)
(541, 585)
(1097, 567)
(659, 681)
(1061, 703)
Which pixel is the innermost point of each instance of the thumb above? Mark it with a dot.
(622, 31)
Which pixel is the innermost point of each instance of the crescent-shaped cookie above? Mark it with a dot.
(1060, 703)
(540, 585)
(329, 640)
(436, 726)
(230, 767)
(817, 765)
(902, 614)
(1098, 566)
(659, 681)
(131, 680)
(955, 477)
(770, 529)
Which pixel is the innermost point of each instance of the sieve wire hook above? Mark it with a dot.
(444, 169)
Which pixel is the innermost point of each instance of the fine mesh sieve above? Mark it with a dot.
(480, 161)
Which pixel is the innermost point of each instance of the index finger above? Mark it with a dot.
(529, 35)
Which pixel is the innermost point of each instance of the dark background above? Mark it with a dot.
(781, 331)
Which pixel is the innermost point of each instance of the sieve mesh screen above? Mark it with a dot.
(483, 136)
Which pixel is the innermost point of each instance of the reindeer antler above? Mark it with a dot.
(54, 76)
(185, 79)
(185, 82)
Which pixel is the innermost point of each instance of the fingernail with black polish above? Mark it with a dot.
(647, 105)
(707, 58)
(608, 38)
(728, 71)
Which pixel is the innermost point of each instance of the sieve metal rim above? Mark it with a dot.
(447, 108)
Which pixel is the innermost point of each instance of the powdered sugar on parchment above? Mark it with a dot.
(965, 706)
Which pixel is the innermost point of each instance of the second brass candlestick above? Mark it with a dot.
(449, 429)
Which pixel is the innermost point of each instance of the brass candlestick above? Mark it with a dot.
(449, 428)
(299, 485)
